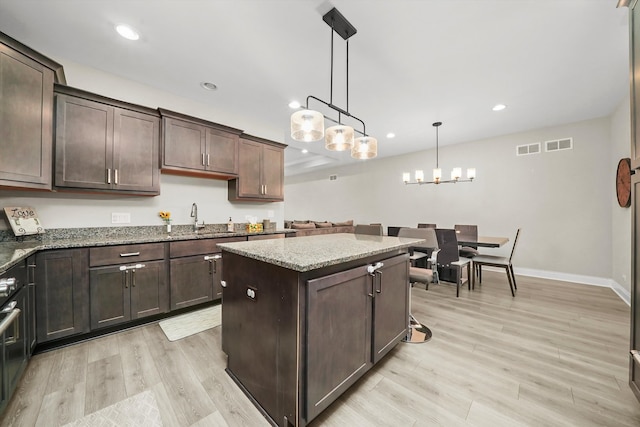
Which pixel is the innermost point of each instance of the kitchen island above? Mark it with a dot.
(304, 318)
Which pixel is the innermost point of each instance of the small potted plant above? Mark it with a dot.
(166, 217)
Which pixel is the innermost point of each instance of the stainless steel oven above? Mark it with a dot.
(14, 344)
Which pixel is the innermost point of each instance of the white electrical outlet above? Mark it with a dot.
(120, 218)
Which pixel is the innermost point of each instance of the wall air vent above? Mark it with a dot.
(524, 150)
(559, 144)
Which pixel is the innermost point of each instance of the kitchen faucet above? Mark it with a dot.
(194, 215)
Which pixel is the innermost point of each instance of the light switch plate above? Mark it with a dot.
(120, 218)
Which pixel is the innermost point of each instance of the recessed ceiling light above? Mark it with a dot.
(305, 151)
(499, 107)
(294, 104)
(208, 86)
(391, 135)
(127, 32)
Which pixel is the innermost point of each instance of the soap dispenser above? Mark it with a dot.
(230, 225)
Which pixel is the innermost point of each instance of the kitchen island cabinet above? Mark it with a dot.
(318, 313)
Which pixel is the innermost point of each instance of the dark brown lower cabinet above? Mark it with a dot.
(196, 271)
(312, 334)
(62, 294)
(124, 293)
(192, 280)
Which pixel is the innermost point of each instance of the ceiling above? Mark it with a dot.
(411, 62)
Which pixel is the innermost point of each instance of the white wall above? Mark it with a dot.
(562, 200)
(62, 210)
(620, 217)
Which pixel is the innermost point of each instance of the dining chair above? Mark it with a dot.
(393, 231)
(422, 225)
(449, 258)
(428, 274)
(467, 232)
(497, 261)
(373, 230)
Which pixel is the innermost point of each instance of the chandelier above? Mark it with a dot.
(308, 125)
(456, 173)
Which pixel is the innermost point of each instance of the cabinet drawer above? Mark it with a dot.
(109, 255)
(199, 247)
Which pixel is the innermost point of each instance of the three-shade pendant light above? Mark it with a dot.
(308, 125)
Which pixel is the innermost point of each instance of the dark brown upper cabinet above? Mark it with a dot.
(26, 110)
(260, 172)
(104, 144)
(196, 147)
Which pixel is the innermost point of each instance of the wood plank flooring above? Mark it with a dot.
(555, 355)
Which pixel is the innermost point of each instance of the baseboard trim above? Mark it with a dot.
(623, 293)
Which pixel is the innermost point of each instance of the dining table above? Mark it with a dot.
(483, 241)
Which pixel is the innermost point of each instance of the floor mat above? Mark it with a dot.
(182, 326)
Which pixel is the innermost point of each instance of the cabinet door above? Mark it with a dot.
(390, 305)
(215, 269)
(221, 152)
(191, 282)
(273, 172)
(149, 291)
(249, 183)
(84, 143)
(62, 294)
(26, 110)
(634, 364)
(110, 299)
(183, 145)
(338, 317)
(136, 140)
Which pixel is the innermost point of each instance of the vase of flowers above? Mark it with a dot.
(166, 217)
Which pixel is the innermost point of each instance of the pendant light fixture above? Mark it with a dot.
(308, 125)
(456, 173)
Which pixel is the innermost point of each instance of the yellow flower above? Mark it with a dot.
(165, 215)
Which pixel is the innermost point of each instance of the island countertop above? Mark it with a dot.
(312, 252)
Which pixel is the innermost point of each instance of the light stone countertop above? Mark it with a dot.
(312, 252)
(13, 252)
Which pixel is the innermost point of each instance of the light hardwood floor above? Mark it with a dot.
(555, 355)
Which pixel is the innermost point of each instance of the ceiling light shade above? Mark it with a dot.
(365, 147)
(127, 32)
(437, 174)
(339, 138)
(456, 173)
(307, 126)
(406, 177)
(471, 173)
(419, 176)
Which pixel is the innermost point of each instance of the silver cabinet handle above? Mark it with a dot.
(108, 175)
(133, 278)
(115, 176)
(265, 189)
(223, 283)
(130, 254)
(207, 159)
(9, 307)
(8, 320)
(7, 286)
(211, 257)
(202, 159)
